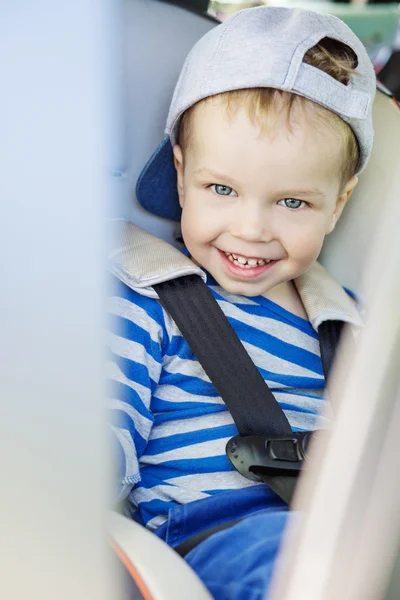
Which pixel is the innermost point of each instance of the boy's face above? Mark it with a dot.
(257, 206)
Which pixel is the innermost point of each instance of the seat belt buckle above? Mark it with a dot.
(253, 454)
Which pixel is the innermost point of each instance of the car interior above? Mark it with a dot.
(85, 94)
(153, 56)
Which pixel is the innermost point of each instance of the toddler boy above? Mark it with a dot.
(269, 126)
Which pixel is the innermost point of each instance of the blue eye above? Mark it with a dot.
(291, 203)
(222, 190)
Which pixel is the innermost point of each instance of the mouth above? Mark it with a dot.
(246, 262)
(245, 266)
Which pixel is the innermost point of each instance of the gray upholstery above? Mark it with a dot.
(157, 38)
(345, 250)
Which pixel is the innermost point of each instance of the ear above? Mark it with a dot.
(178, 162)
(341, 202)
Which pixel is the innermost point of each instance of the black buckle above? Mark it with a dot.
(261, 453)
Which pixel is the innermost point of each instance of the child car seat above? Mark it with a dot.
(342, 257)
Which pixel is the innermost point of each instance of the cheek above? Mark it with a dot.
(199, 221)
(304, 242)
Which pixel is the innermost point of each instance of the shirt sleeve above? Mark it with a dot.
(136, 332)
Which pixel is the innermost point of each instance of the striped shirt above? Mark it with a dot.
(170, 425)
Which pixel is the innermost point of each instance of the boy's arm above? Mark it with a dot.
(134, 365)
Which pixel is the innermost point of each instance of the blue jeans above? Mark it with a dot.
(236, 563)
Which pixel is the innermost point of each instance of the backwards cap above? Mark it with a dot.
(261, 47)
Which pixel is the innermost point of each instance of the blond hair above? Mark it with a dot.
(265, 104)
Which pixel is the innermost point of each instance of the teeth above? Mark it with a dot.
(246, 263)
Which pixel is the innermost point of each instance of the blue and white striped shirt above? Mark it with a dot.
(170, 425)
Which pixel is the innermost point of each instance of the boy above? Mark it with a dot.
(269, 126)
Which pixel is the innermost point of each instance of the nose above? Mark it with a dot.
(252, 223)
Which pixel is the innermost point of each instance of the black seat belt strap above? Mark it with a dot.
(222, 355)
(329, 333)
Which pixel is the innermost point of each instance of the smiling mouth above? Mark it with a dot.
(245, 262)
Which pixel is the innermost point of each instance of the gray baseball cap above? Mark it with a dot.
(261, 47)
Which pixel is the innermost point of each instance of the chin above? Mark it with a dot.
(241, 289)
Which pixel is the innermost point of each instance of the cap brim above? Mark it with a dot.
(156, 189)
